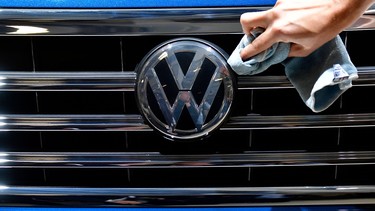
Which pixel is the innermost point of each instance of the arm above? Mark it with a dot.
(306, 24)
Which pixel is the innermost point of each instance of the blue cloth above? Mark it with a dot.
(260, 62)
(319, 78)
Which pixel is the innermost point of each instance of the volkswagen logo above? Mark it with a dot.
(185, 88)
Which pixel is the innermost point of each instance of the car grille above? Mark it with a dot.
(71, 133)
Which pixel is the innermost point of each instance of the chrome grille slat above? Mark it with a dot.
(300, 121)
(188, 197)
(51, 122)
(157, 160)
(68, 81)
(366, 78)
(125, 81)
(366, 75)
(72, 123)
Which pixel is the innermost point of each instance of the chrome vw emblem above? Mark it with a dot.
(185, 89)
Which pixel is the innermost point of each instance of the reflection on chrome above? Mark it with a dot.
(3, 187)
(347, 188)
(3, 159)
(2, 82)
(2, 123)
(163, 55)
(28, 30)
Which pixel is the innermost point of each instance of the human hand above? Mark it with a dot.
(305, 24)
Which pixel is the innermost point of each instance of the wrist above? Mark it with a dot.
(348, 11)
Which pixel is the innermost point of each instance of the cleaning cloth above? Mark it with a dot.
(319, 78)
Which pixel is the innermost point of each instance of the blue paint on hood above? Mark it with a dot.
(130, 3)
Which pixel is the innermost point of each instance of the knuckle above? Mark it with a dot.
(277, 30)
(256, 45)
(244, 18)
